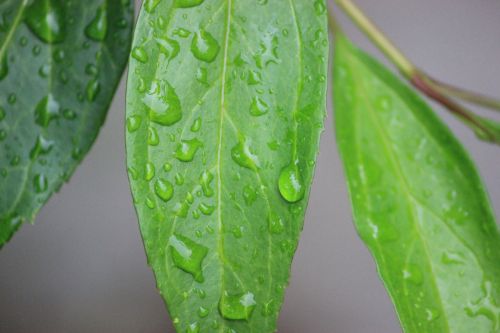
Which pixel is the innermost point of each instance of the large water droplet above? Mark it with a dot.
(204, 46)
(188, 255)
(187, 149)
(237, 307)
(258, 107)
(46, 110)
(164, 189)
(169, 47)
(98, 27)
(242, 155)
(188, 3)
(290, 183)
(46, 19)
(163, 103)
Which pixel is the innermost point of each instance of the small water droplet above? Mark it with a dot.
(42, 147)
(237, 307)
(188, 3)
(206, 209)
(275, 224)
(150, 171)
(40, 183)
(413, 274)
(258, 107)
(205, 179)
(187, 149)
(153, 138)
(4, 66)
(169, 47)
(242, 155)
(133, 123)
(249, 195)
(139, 54)
(93, 89)
(193, 328)
(203, 312)
(164, 189)
(196, 125)
(150, 5)
(46, 110)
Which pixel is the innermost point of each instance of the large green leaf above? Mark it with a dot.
(225, 107)
(418, 201)
(60, 63)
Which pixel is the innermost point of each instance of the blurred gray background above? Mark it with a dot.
(82, 267)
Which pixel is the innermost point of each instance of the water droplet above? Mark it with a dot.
(450, 258)
(133, 123)
(319, 6)
(164, 189)
(150, 171)
(204, 46)
(4, 66)
(196, 125)
(46, 110)
(413, 274)
(290, 183)
(45, 18)
(2, 113)
(203, 312)
(188, 256)
(93, 89)
(193, 328)
(432, 314)
(187, 149)
(249, 195)
(188, 3)
(163, 103)
(258, 107)
(205, 179)
(169, 47)
(42, 147)
(237, 307)
(254, 78)
(98, 27)
(167, 167)
(202, 75)
(242, 155)
(206, 209)
(40, 183)
(275, 224)
(153, 138)
(139, 54)
(150, 5)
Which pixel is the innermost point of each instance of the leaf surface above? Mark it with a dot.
(60, 63)
(418, 201)
(225, 106)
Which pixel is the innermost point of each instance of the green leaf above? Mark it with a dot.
(225, 106)
(418, 201)
(60, 63)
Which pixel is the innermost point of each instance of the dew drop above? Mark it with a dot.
(45, 18)
(186, 150)
(204, 46)
(206, 209)
(133, 123)
(4, 66)
(164, 189)
(258, 107)
(93, 89)
(237, 307)
(46, 110)
(153, 138)
(249, 195)
(242, 155)
(205, 179)
(150, 171)
(163, 104)
(196, 125)
(203, 312)
(2, 113)
(169, 47)
(139, 54)
(275, 224)
(413, 274)
(40, 183)
(290, 183)
(42, 147)
(150, 5)
(188, 256)
(254, 78)
(98, 27)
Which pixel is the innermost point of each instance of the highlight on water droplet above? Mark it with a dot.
(187, 149)
(290, 183)
(163, 103)
(97, 29)
(204, 46)
(45, 18)
(237, 307)
(188, 255)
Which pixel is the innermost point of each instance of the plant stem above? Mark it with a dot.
(378, 38)
(434, 89)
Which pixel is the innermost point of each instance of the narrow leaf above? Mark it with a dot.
(225, 106)
(419, 204)
(60, 63)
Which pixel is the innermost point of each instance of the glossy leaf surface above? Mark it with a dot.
(419, 204)
(225, 106)
(60, 63)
